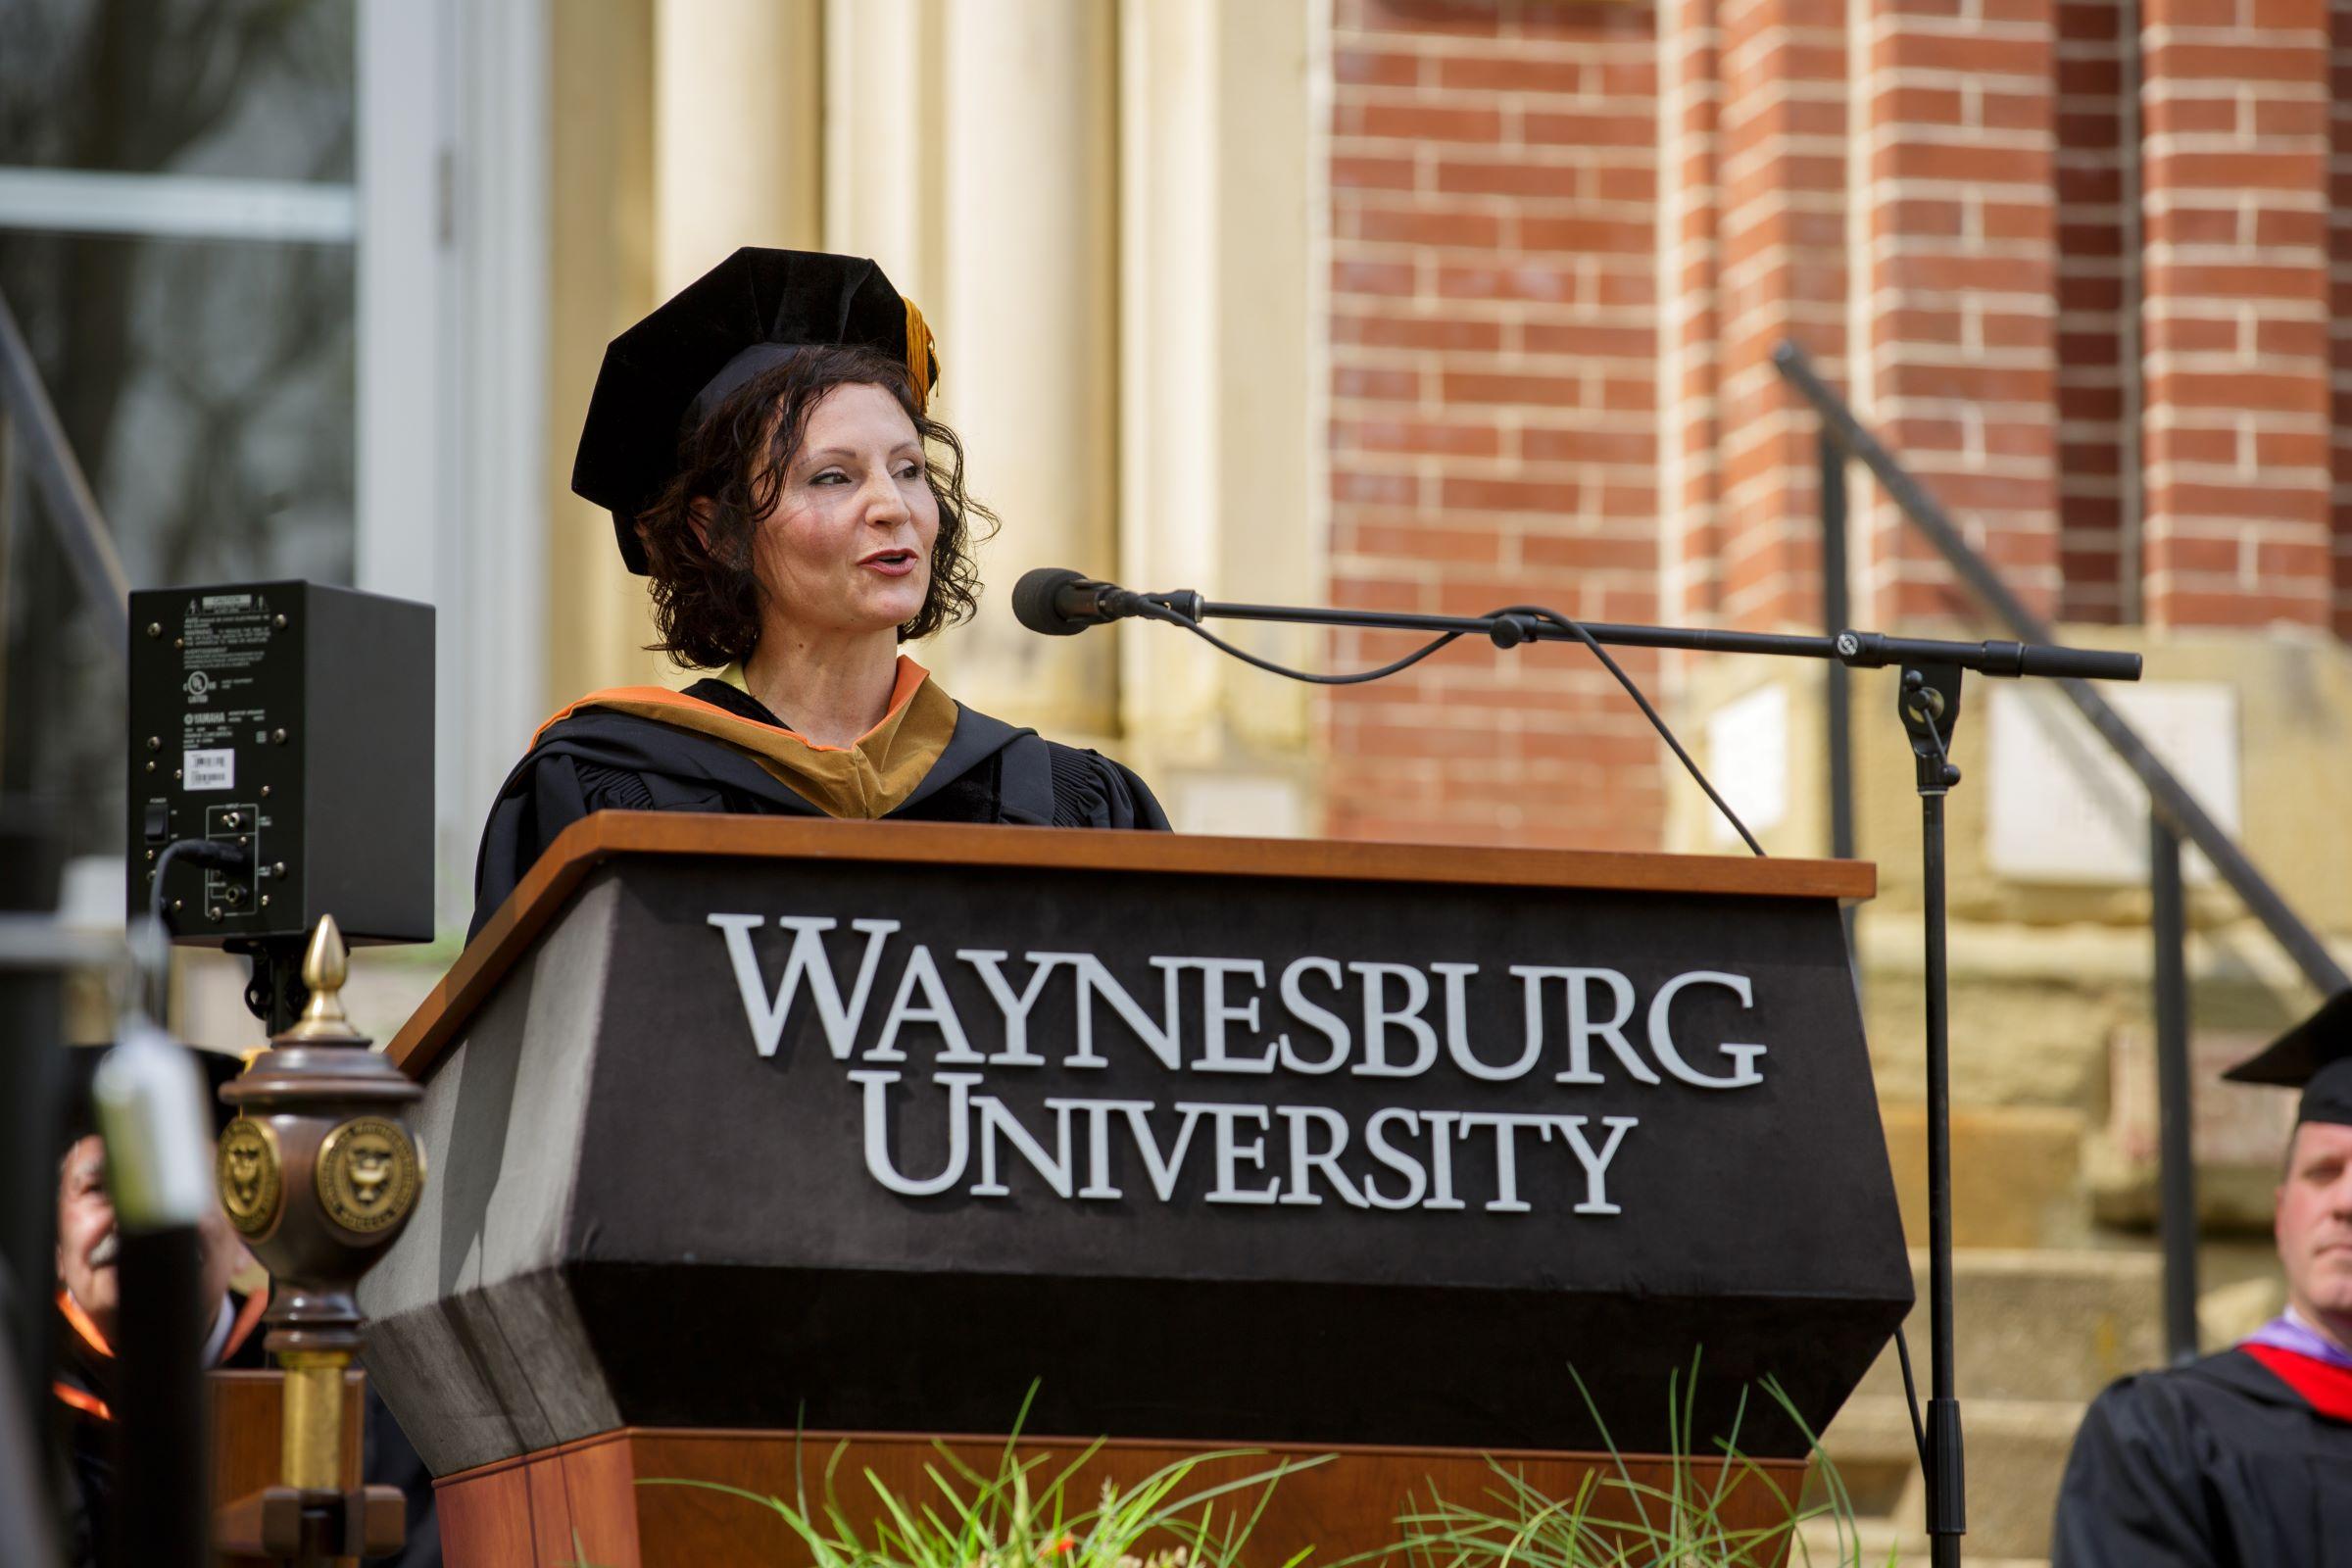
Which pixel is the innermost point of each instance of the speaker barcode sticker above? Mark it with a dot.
(208, 770)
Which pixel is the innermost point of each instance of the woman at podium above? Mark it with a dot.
(762, 444)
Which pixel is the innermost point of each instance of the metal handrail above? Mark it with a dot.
(2168, 796)
(2174, 814)
(73, 508)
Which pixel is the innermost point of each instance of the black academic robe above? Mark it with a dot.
(598, 760)
(2219, 1464)
(86, 1382)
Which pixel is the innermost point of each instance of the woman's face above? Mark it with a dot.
(847, 548)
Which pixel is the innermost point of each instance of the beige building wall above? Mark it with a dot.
(600, 277)
(738, 123)
(1222, 482)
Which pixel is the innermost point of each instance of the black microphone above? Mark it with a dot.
(1060, 602)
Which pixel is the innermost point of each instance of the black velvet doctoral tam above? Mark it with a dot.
(743, 317)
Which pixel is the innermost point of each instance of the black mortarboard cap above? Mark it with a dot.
(2314, 1057)
(743, 317)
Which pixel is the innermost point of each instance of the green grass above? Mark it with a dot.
(1024, 1515)
(1615, 1520)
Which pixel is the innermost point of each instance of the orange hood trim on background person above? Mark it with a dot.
(248, 1318)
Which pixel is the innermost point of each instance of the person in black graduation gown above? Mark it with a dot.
(85, 1377)
(762, 444)
(2244, 1459)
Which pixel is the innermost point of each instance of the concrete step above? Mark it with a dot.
(2036, 1324)
(2016, 1173)
(2017, 1452)
(2038, 1334)
(1884, 1547)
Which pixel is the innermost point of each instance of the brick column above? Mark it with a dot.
(1493, 407)
(2339, 277)
(2238, 437)
(2097, 340)
(1782, 274)
(1955, 284)
(1690, 264)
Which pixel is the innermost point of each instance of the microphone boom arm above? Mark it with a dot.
(1859, 650)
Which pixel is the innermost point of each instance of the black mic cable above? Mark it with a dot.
(150, 945)
(217, 854)
(1056, 602)
(1156, 609)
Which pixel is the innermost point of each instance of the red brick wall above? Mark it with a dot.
(2238, 428)
(1781, 151)
(1953, 225)
(2095, 341)
(1568, 233)
(1493, 409)
(1691, 266)
(2339, 257)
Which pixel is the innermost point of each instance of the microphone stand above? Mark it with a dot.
(1927, 704)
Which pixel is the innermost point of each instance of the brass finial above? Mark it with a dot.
(325, 965)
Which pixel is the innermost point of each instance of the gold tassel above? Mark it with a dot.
(922, 357)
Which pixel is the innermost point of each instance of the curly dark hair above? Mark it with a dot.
(707, 599)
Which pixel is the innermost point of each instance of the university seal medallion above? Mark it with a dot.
(245, 1169)
(367, 1174)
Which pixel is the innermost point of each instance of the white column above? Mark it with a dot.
(738, 131)
(1222, 225)
(1030, 334)
(882, 130)
(969, 151)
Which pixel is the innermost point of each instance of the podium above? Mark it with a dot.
(750, 1135)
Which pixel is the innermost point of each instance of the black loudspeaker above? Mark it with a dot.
(294, 720)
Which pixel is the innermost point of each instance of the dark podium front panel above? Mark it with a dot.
(869, 1128)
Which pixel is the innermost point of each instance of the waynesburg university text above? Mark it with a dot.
(966, 1020)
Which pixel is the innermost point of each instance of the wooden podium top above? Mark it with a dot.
(607, 835)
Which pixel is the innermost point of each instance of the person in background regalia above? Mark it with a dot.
(2244, 1459)
(762, 444)
(84, 1380)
